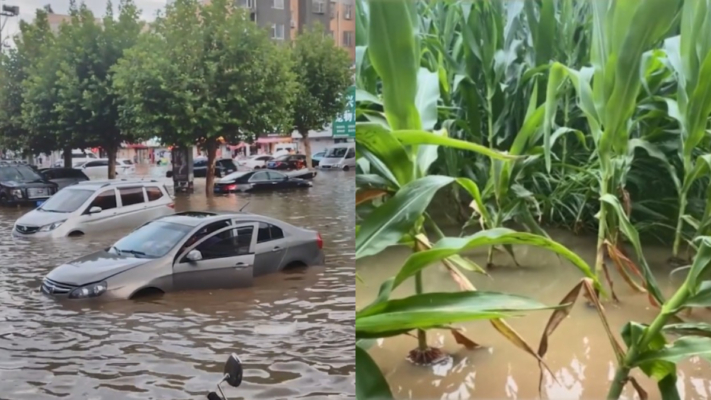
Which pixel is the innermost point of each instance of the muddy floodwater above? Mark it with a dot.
(579, 353)
(294, 331)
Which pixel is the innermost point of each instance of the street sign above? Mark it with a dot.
(344, 125)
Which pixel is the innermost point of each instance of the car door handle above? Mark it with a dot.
(241, 265)
(277, 248)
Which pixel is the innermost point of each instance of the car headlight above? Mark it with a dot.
(51, 227)
(93, 290)
(17, 193)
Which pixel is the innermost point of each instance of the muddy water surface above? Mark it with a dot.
(579, 354)
(294, 331)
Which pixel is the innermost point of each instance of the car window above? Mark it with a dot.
(282, 158)
(336, 152)
(153, 193)
(259, 177)
(50, 174)
(106, 200)
(268, 232)
(67, 200)
(264, 158)
(131, 196)
(351, 153)
(200, 163)
(18, 173)
(98, 163)
(127, 162)
(275, 176)
(230, 243)
(154, 239)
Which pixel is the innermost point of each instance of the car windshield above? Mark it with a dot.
(66, 200)
(283, 158)
(18, 173)
(336, 152)
(153, 240)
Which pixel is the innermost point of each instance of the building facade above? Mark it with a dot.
(342, 24)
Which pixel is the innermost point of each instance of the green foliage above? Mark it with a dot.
(208, 72)
(322, 72)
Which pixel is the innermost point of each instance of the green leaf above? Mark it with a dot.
(631, 334)
(430, 310)
(492, 237)
(388, 223)
(702, 297)
(417, 137)
(689, 328)
(679, 350)
(427, 98)
(371, 383)
(384, 145)
(395, 56)
(700, 265)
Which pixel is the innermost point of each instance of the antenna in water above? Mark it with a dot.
(243, 207)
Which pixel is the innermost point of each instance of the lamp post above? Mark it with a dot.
(7, 12)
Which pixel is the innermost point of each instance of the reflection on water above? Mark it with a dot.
(294, 331)
(579, 353)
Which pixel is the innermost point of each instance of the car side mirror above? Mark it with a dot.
(169, 174)
(194, 255)
(94, 210)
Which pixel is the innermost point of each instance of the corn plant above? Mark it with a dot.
(622, 32)
(689, 56)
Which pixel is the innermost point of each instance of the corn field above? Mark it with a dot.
(587, 115)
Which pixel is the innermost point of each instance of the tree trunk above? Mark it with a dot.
(67, 155)
(307, 148)
(112, 162)
(211, 147)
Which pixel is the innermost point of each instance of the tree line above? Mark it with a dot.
(196, 74)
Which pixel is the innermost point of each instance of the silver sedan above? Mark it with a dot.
(187, 251)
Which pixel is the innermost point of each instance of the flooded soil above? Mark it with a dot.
(579, 353)
(293, 331)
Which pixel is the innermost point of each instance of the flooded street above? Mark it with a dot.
(294, 331)
(579, 353)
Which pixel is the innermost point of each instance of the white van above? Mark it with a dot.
(340, 156)
(78, 157)
(283, 148)
(96, 206)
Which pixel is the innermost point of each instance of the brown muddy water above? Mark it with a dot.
(579, 354)
(293, 331)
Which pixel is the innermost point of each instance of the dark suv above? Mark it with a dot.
(20, 184)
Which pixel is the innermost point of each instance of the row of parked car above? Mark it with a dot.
(171, 252)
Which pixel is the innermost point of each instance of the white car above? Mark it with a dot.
(78, 158)
(99, 169)
(255, 162)
(340, 156)
(96, 206)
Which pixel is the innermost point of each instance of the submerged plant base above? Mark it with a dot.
(429, 356)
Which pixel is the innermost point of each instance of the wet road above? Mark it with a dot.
(294, 331)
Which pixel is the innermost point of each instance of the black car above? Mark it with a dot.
(63, 177)
(288, 161)
(223, 167)
(252, 181)
(20, 184)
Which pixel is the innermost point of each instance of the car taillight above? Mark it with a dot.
(319, 241)
(231, 187)
(171, 205)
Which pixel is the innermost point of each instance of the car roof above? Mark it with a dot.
(196, 218)
(93, 185)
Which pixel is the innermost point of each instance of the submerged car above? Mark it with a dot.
(20, 184)
(187, 251)
(63, 177)
(288, 161)
(96, 206)
(253, 181)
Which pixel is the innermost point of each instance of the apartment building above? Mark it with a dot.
(286, 18)
(342, 24)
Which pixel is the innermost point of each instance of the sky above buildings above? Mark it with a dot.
(98, 7)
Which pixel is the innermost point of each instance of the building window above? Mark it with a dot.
(318, 6)
(278, 4)
(348, 39)
(278, 31)
(333, 9)
(246, 3)
(348, 12)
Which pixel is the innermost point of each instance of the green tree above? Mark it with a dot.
(323, 74)
(87, 104)
(207, 73)
(15, 66)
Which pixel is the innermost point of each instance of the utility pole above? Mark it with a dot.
(7, 12)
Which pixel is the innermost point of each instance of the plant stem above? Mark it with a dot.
(623, 370)
(679, 225)
(601, 230)
(421, 335)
